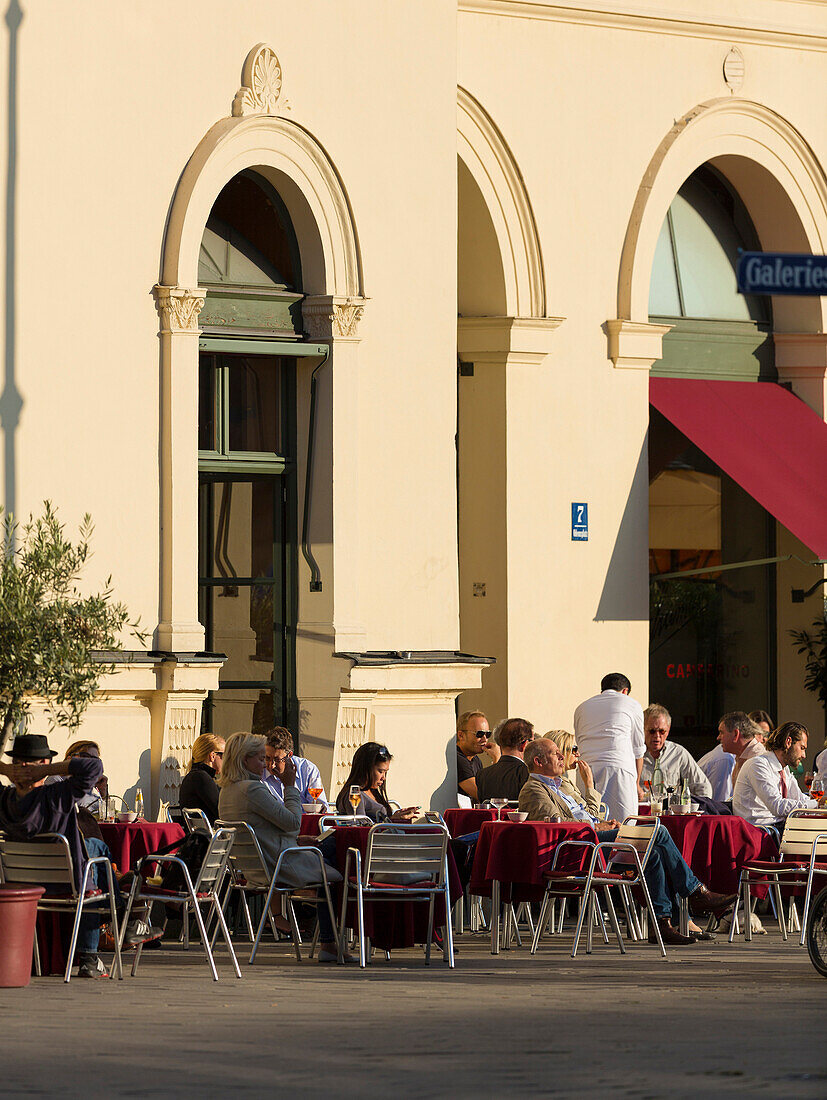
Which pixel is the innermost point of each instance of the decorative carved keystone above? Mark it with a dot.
(260, 91)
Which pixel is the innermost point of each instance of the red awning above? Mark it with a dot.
(768, 441)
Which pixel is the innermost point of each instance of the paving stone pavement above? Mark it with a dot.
(713, 1020)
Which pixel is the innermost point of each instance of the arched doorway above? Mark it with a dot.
(712, 634)
(251, 270)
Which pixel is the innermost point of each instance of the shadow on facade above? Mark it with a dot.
(11, 402)
(625, 594)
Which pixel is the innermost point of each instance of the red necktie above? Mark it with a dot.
(783, 785)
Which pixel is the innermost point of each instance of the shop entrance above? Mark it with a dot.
(712, 632)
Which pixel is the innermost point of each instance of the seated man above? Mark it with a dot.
(718, 766)
(765, 790)
(279, 746)
(676, 764)
(505, 779)
(473, 739)
(667, 874)
(741, 737)
(31, 807)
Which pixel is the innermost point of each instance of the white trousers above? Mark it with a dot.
(619, 790)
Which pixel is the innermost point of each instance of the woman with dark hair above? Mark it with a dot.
(368, 771)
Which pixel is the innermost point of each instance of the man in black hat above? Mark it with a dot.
(31, 807)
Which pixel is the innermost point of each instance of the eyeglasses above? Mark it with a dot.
(574, 748)
(217, 753)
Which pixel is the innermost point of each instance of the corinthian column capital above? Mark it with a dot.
(179, 307)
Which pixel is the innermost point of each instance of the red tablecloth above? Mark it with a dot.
(517, 854)
(716, 848)
(130, 841)
(462, 821)
(391, 924)
(310, 825)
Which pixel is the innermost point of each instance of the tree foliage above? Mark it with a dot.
(813, 645)
(49, 631)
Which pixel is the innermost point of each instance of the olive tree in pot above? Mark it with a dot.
(55, 641)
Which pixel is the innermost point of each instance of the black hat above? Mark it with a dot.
(30, 746)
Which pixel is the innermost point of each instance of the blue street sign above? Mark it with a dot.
(782, 273)
(580, 522)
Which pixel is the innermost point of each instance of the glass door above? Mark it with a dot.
(247, 544)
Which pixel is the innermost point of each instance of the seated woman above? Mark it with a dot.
(368, 771)
(245, 797)
(568, 784)
(199, 790)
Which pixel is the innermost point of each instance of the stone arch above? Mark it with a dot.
(484, 152)
(303, 174)
(774, 171)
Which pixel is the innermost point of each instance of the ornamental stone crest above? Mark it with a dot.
(179, 307)
(260, 91)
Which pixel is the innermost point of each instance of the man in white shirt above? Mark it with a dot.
(676, 764)
(609, 732)
(765, 791)
(718, 766)
(308, 778)
(741, 737)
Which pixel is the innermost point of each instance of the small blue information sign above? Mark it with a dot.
(782, 273)
(580, 522)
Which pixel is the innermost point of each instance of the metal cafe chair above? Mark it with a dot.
(402, 863)
(802, 852)
(619, 862)
(192, 896)
(246, 862)
(196, 821)
(46, 860)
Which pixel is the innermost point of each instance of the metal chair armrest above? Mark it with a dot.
(570, 844)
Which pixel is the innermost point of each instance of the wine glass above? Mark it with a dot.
(817, 789)
(499, 804)
(355, 797)
(315, 793)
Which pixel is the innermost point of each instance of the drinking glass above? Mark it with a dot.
(355, 797)
(817, 789)
(808, 779)
(498, 804)
(315, 793)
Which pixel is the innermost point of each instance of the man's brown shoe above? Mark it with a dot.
(707, 901)
(670, 936)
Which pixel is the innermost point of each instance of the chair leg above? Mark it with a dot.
(430, 934)
(36, 954)
(294, 926)
(561, 923)
(590, 918)
(795, 924)
(116, 935)
(221, 920)
(779, 907)
(360, 924)
(448, 932)
(204, 938)
(329, 903)
(541, 922)
(650, 910)
(599, 922)
(76, 926)
(495, 917)
(613, 919)
(581, 916)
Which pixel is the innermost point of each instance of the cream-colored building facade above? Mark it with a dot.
(476, 191)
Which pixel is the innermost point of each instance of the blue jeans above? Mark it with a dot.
(668, 875)
(90, 923)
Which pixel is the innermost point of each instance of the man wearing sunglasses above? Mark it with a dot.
(472, 741)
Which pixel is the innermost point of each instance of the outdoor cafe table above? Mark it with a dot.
(716, 848)
(462, 821)
(511, 858)
(391, 924)
(129, 841)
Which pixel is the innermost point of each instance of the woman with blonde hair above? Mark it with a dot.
(568, 784)
(198, 787)
(244, 796)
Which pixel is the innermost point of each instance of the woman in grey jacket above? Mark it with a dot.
(245, 797)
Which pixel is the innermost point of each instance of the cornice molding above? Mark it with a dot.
(496, 339)
(643, 18)
(635, 345)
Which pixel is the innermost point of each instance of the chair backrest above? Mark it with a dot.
(176, 815)
(800, 830)
(332, 821)
(406, 853)
(246, 856)
(196, 821)
(45, 860)
(215, 862)
(640, 833)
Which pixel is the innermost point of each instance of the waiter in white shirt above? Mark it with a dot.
(765, 791)
(609, 732)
